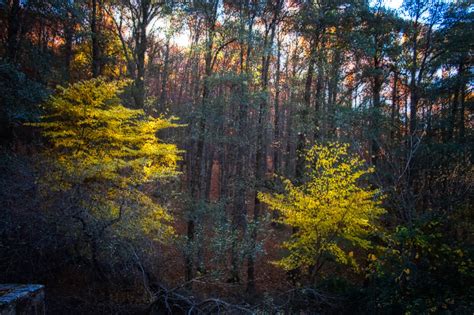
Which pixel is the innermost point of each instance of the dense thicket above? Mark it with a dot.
(320, 157)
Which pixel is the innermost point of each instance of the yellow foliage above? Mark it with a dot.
(106, 150)
(330, 211)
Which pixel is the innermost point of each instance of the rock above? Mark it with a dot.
(22, 299)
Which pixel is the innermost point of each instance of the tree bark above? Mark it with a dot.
(95, 40)
(14, 29)
(376, 115)
(261, 154)
(68, 39)
(395, 106)
(277, 136)
(164, 76)
(200, 163)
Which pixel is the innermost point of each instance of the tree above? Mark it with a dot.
(100, 156)
(14, 11)
(199, 182)
(270, 18)
(379, 45)
(328, 212)
(425, 17)
(95, 38)
(136, 18)
(20, 96)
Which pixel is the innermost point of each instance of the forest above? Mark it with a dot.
(238, 156)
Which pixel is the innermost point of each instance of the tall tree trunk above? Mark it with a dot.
(141, 46)
(290, 146)
(192, 167)
(261, 154)
(301, 141)
(277, 136)
(95, 40)
(454, 108)
(395, 107)
(462, 127)
(241, 151)
(458, 94)
(164, 76)
(68, 39)
(307, 93)
(319, 103)
(197, 189)
(333, 83)
(14, 29)
(377, 114)
(413, 87)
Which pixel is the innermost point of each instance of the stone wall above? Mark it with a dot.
(22, 299)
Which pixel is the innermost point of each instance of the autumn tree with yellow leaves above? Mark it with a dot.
(331, 214)
(101, 157)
